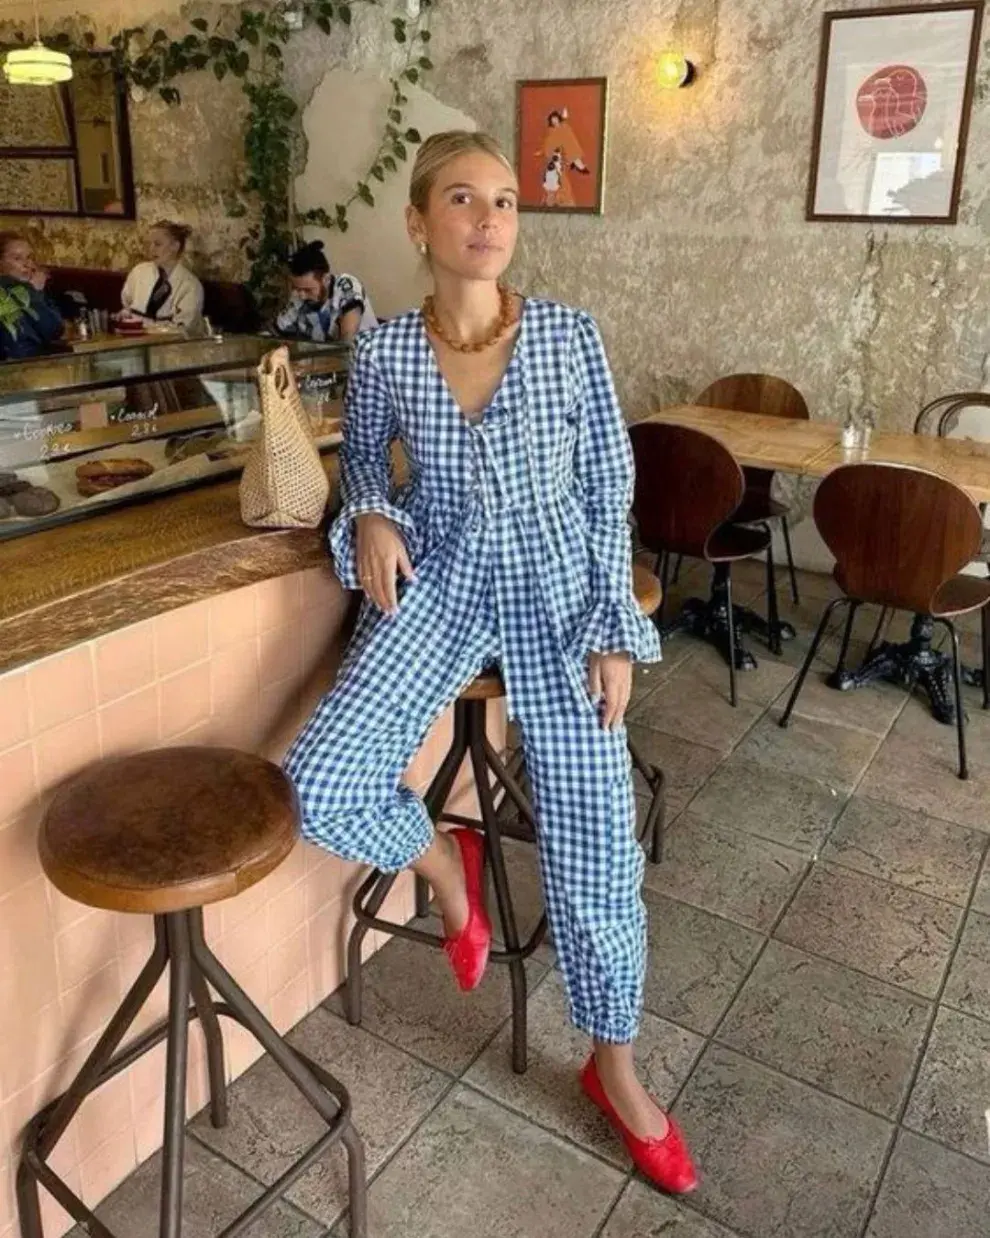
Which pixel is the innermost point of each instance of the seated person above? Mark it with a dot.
(30, 323)
(163, 289)
(323, 306)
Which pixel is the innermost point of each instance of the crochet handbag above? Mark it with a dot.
(283, 485)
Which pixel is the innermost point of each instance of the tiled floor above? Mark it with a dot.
(818, 1006)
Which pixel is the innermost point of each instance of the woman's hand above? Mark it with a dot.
(610, 678)
(381, 555)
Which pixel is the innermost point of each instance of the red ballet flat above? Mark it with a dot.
(468, 949)
(666, 1162)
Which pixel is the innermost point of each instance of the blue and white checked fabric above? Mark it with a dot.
(517, 527)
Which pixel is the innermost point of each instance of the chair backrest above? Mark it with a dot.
(756, 393)
(898, 533)
(944, 417)
(687, 484)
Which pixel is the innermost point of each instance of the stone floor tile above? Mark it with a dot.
(760, 686)
(685, 765)
(474, 1168)
(785, 808)
(643, 1212)
(931, 1192)
(690, 708)
(214, 1193)
(844, 1032)
(834, 755)
(968, 986)
(951, 1096)
(696, 962)
(720, 869)
(917, 724)
(923, 779)
(981, 899)
(888, 932)
(777, 1158)
(411, 1000)
(873, 708)
(907, 848)
(549, 1092)
(271, 1124)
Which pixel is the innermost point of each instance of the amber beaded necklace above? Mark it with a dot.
(506, 317)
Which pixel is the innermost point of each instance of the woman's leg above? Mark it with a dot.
(592, 874)
(347, 763)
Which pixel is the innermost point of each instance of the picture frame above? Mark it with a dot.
(892, 109)
(561, 136)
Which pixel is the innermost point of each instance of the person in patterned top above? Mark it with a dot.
(324, 306)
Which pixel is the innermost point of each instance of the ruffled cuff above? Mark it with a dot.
(617, 627)
(343, 536)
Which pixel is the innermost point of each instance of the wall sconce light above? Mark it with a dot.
(36, 65)
(674, 70)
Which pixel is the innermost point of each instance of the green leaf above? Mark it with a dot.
(425, 36)
(390, 163)
(252, 36)
(394, 114)
(273, 49)
(344, 12)
(200, 60)
(200, 23)
(324, 24)
(400, 150)
(365, 194)
(425, 62)
(412, 74)
(377, 173)
(412, 135)
(215, 45)
(343, 225)
(341, 210)
(220, 70)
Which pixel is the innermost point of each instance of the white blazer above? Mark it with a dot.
(184, 306)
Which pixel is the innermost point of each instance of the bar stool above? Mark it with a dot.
(511, 817)
(163, 833)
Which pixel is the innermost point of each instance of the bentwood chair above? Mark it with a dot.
(946, 418)
(910, 559)
(688, 486)
(772, 397)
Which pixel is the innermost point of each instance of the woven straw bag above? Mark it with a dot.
(283, 485)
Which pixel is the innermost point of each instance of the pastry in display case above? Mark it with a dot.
(79, 432)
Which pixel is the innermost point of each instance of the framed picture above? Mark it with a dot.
(560, 145)
(895, 90)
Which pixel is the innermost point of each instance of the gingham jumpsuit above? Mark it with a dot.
(517, 527)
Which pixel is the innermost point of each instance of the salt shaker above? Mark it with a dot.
(850, 436)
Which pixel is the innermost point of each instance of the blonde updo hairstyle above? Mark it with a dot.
(439, 150)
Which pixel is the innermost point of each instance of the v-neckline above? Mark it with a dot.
(445, 385)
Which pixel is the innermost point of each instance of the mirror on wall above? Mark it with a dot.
(65, 150)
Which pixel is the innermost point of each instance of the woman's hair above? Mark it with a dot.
(437, 151)
(309, 260)
(9, 238)
(180, 233)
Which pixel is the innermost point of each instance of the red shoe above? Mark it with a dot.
(468, 950)
(666, 1162)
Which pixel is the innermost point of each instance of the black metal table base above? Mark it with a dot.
(511, 818)
(911, 664)
(181, 947)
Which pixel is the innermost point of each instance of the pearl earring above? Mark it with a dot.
(422, 248)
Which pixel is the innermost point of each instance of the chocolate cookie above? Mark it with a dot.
(35, 501)
(7, 488)
(6, 510)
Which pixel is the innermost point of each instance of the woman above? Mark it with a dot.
(163, 289)
(30, 323)
(512, 544)
(562, 152)
(323, 306)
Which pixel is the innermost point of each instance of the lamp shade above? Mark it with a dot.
(673, 70)
(36, 65)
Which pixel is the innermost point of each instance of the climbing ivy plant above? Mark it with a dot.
(248, 44)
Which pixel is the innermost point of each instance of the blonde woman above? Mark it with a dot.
(163, 289)
(509, 545)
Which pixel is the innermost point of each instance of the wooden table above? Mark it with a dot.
(110, 341)
(813, 449)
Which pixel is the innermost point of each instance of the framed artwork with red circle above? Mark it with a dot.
(895, 92)
(560, 145)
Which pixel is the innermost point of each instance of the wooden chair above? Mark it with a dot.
(773, 397)
(688, 485)
(909, 559)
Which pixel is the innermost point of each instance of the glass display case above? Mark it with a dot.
(81, 432)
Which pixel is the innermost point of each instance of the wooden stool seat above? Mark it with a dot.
(488, 686)
(168, 830)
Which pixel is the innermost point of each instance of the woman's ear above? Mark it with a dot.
(415, 226)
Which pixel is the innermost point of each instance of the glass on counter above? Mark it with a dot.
(79, 433)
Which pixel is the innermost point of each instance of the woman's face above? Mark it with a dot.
(162, 247)
(471, 221)
(17, 260)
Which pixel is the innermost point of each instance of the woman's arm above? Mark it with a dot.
(370, 426)
(349, 324)
(603, 467)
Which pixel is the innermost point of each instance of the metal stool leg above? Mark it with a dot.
(950, 627)
(176, 1062)
(786, 528)
(731, 628)
(210, 1024)
(378, 886)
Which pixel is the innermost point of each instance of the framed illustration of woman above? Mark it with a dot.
(560, 144)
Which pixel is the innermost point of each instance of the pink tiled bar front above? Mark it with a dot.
(242, 669)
